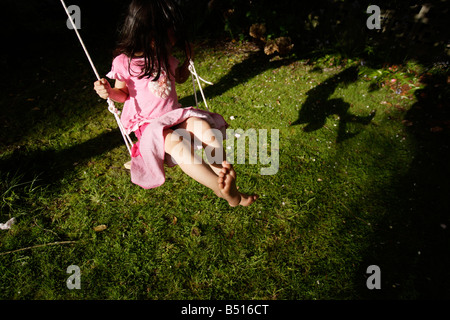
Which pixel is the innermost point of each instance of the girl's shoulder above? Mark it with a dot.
(121, 60)
(119, 69)
(130, 66)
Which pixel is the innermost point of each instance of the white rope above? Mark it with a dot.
(126, 138)
(81, 40)
(111, 107)
(198, 78)
(195, 89)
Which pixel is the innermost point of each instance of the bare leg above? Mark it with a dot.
(210, 139)
(193, 165)
(218, 176)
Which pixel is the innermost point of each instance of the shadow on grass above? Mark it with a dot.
(52, 165)
(318, 107)
(256, 63)
(411, 240)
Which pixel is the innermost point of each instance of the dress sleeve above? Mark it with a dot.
(119, 69)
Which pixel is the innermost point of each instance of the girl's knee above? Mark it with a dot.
(167, 132)
(172, 139)
(168, 139)
(203, 130)
(196, 125)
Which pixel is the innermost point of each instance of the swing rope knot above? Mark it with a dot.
(194, 72)
(126, 138)
(195, 75)
(112, 108)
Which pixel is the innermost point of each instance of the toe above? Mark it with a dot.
(226, 165)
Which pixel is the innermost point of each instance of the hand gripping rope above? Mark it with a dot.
(111, 107)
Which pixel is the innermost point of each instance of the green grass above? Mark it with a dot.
(346, 195)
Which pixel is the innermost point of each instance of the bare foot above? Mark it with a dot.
(247, 200)
(227, 186)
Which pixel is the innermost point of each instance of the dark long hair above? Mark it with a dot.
(146, 30)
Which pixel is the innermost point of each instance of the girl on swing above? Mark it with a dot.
(145, 73)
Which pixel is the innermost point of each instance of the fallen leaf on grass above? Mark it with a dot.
(7, 225)
(195, 232)
(100, 228)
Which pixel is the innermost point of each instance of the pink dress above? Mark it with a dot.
(151, 107)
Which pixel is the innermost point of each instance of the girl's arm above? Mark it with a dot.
(118, 94)
(182, 72)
